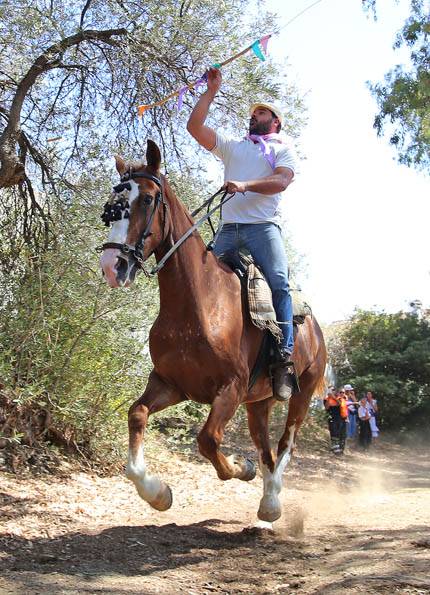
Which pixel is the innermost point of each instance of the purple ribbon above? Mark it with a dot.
(265, 147)
(181, 95)
(200, 81)
(264, 41)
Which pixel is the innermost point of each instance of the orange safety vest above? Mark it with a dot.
(332, 402)
(343, 407)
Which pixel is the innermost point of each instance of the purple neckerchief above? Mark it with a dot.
(265, 148)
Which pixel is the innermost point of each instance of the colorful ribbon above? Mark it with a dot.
(265, 148)
(181, 95)
(257, 47)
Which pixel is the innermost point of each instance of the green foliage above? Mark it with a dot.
(388, 354)
(71, 348)
(404, 97)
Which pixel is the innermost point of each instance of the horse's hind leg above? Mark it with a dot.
(297, 411)
(157, 396)
(258, 420)
(210, 438)
(270, 506)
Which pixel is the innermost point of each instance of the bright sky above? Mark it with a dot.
(360, 218)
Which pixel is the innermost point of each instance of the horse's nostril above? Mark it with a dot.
(126, 269)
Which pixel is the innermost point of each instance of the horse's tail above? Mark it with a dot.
(320, 388)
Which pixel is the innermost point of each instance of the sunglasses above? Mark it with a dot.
(341, 392)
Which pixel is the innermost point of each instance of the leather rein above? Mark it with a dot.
(117, 208)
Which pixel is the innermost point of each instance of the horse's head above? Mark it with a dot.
(137, 211)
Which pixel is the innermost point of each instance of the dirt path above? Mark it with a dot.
(354, 525)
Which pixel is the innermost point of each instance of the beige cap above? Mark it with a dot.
(273, 108)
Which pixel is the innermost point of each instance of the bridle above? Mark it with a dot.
(117, 208)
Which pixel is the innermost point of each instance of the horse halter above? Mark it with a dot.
(117, 208)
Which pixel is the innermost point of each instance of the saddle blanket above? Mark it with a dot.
(260, 297)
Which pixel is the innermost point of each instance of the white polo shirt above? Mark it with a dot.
(244, 160)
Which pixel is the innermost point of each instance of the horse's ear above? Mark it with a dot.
(153, 156)
(121, 166)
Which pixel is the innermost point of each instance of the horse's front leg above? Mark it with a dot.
(210, 437)
(157, 396)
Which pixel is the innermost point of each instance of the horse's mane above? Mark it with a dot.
(171, 195)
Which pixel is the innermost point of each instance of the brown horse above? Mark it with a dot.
(203, 344)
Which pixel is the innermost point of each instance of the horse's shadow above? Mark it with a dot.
(129, 550)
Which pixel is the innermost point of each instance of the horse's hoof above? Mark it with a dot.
(243, 469)
(270, 509)
(164, 499)
(251, 471)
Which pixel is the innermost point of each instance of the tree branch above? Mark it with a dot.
(84, 10)
(12, 170)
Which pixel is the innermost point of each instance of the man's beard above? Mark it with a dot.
(262, 127)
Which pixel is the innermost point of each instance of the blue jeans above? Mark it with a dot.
(264, 242)
(351, 427)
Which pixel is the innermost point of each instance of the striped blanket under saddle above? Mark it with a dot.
(260, 297)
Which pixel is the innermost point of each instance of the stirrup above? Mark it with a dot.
(291, 369)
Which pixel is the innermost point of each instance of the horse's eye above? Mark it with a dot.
(147, 199)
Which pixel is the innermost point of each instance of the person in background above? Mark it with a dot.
(352, 405)
(336, 422)
(373, 408)
(344, 421)
(365, 432)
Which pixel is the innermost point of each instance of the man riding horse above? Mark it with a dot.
(203, 343)
(258, 169)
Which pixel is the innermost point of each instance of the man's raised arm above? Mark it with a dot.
(204, 135)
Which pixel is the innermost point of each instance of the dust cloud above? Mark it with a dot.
(348, 497)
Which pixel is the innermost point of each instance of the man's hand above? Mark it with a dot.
(233, 187)
(214, 79)
(196, 124)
